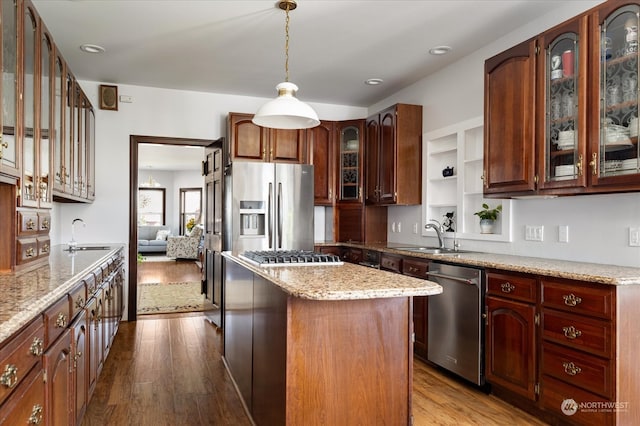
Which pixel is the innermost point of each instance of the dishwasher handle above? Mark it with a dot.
(450, 277)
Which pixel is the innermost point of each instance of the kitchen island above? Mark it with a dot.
(321, 344)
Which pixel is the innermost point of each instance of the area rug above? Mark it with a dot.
(162, 298)
(157, 258)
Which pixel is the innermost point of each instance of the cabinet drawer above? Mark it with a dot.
(90, 282)
(579, 298)
(97, 273)
(353, 256)
(56, 320)
(44, 222)
(26, 250)
(19, 356)
(27, 223)
(415, 268)
(26, 405)
(554, 393)
(78, 299)
(513, 286)
(391, 263)
(578, 332)
(44, 246)
(588, 372)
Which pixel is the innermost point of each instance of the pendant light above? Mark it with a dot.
(286, 111)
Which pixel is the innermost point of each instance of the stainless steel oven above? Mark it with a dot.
(455, 324)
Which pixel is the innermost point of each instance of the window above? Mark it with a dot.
(190, 208)
(151, 206)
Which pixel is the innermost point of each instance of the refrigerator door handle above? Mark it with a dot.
(279, 207)
(270, 216)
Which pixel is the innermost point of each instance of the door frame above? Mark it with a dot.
(134, 140)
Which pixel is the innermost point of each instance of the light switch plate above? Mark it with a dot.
(634, 237)
(534, 233)
(563, 233)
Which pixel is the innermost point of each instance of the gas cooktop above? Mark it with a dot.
(270, 258)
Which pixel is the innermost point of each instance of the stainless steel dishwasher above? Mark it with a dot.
(455, 323)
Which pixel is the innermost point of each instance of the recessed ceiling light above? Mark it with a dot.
(91, 48)
(440, 50)
(373, 81)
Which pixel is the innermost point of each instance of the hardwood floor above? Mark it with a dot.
(168, 272)
(167, 370)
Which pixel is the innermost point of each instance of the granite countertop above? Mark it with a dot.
(341, 282)
(24, 295)
(582, 271)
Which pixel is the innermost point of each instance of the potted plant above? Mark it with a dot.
(488, 217)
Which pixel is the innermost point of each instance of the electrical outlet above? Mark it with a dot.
(415, 228)
(534, 233)
(634, 237)
(563, 233)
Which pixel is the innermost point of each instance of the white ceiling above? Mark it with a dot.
(237, 46)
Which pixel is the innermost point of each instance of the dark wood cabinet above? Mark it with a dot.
(26, 406)
(418, 268)
(393, 147)
(322, 145)
(58, 363)
(250, 142)
(509, 144)
(80, 358)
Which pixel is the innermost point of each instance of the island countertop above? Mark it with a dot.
(341, 282)
(25, 295)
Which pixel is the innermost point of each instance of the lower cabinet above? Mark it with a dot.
(50, 368)
(418, 268)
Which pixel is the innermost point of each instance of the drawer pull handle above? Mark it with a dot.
(10, 376)
(45, 248)
(75, 359)
(80, 302)
(61, 320)
(37, 347)
(30, 225)
(30, 252)
(36, 415)
(45, 224)
(571, 299)
(571, 369)
(507, 287)
(571, 332)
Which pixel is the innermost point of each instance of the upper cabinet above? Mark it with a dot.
(321, 146)
(393, 141)
(9, 149)
(580, 133)
(250, 142)
(350, 161)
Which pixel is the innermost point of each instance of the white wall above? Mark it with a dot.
(598, 224)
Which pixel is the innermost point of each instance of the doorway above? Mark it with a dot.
(134, 142)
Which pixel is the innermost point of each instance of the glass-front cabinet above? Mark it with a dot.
(562, 74)
(9, 161)
(350, 158)
(614, 152)
(29, 193)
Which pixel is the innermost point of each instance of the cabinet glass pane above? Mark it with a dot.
(349, 163)
(45, 99)
(58, 162)
(68, 134)
(619, 93)
(9, 47)
(562, 108)
(29, 149)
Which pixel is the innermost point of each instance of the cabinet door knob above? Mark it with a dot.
(507, 287)
(571, 369)
(571, 299)
(36, 415)
(571, 332)
(10, 376)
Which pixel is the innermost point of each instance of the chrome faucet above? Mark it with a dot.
(73, 243)
(438, 228)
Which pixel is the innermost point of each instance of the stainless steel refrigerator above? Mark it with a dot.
(268, 206)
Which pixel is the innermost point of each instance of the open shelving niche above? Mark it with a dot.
(459, 146)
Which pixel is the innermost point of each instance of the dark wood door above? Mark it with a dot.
(94, 308)
(58, 365)
(510, 346)
(387, 157)
(372, 152)
(287, 146)
(248, 141)
(80, 358)
(509, 145)
(322, 146)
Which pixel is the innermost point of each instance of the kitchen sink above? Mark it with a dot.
(429, 250)
(82, 248)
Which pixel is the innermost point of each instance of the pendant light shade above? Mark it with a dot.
(286, 111)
